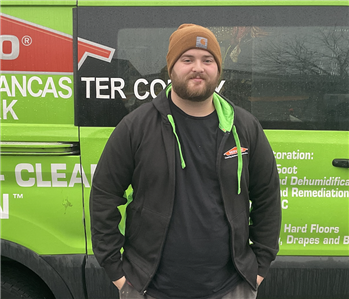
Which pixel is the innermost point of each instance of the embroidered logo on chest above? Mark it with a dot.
(234, 152)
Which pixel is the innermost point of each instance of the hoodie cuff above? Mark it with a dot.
(114, 271)
(263, 266)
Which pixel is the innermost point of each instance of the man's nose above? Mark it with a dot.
(198, 66)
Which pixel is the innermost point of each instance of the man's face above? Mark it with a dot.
(195, 75)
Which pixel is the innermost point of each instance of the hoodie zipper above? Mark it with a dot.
(220, 151)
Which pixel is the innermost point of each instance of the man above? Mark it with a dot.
(195, 161)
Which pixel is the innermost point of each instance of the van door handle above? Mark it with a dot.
(39, 148)
(341, 163)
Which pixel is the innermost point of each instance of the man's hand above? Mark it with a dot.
(259, 280)
(120, 282)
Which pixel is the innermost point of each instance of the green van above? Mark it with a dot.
(72, 69)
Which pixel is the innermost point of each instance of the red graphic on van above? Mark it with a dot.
(28, 47)
(234, 152)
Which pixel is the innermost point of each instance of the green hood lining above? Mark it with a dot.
(225, 113)
(170, 118)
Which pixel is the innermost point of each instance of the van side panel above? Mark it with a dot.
(72, 69)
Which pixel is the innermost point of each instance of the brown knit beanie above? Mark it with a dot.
(191, 36)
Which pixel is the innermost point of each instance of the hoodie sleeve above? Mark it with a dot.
(112, 177)
(265, 216)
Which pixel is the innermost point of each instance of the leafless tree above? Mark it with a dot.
(325, 53)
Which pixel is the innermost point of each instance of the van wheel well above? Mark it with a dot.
(17, 281)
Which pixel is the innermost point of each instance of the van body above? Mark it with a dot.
(72, 69)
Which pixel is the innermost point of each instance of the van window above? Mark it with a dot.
(289, 70)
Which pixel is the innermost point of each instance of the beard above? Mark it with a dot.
(193, 93)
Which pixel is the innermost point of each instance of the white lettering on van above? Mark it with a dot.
(36, 87)
(8, 109)
(284, 204)
(152, 89)
(93, 169)
(28, 175)
(50, 88)
(14, 47)
(65, 87)
(21, 88)
(39, 180)
(135, 89)
(118, 88)
(152, 86)
(116, 85)
(106, 88)
(30, 89)
(78, 176)
(100, 87)
(4, 86)
(219, 87)
(88, 81)
(58, 175)
(4, 208)
(18, 173)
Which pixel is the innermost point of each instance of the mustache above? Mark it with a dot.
(198, 76)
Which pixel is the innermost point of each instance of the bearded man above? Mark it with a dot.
(195, 162)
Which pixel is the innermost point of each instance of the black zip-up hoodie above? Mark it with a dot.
(141, 152)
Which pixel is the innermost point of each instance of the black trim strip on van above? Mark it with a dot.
(39, 148)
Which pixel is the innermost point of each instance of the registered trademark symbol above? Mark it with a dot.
(26, 40)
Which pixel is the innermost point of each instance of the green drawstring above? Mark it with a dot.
(226, 123)
(239, 172)
(170, 118)
(225, 114)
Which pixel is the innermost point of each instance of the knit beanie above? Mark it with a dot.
(191, 36)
